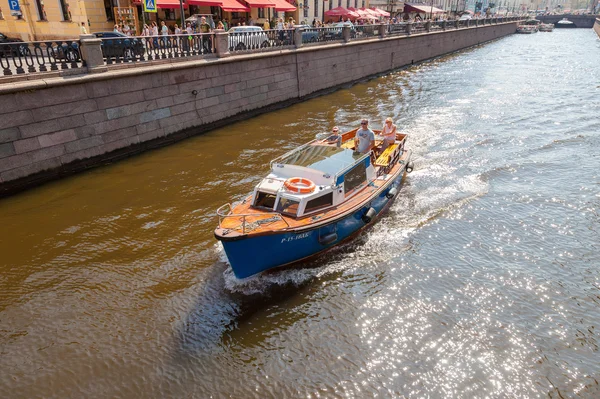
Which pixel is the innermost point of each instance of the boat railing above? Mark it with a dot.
(225, 212)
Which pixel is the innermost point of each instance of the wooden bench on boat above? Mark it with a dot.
(387, 156)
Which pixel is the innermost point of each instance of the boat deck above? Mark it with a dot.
(243, 219)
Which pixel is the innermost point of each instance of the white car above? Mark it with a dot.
(247, 37)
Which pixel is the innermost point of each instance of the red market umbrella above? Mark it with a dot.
(380, 12)
(370, 12)
(361, 14)
(341, 12)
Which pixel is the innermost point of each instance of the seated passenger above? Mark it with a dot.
(335, 137)
(389, 134)
(364, 141)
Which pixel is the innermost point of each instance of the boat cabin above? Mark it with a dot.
(312, 178)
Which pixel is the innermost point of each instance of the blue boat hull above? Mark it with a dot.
(250, 255)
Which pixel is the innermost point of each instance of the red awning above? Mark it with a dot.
(421, 8)
(282, 5)
(260, 3)
(233, 6)
(210, 3)
(169, 4)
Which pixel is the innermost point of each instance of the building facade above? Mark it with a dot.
(51, 19)
(394, 7)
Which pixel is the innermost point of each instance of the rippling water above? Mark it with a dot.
(482, 281)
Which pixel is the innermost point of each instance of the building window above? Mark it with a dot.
(330, 4)
(40, 10)
(339, 3)
(316, 8)
(108, 10)
(64, 10)
(261, 13)
(169, 13)
(347, 3)
(305, 11)
(363, 3)
(355, 3)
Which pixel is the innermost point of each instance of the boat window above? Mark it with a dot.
(265, 200)
(319, 202)
(288, 206)
(355, 177)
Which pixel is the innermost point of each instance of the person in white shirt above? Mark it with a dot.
(389, 133)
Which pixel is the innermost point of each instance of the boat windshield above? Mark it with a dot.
(327, 159)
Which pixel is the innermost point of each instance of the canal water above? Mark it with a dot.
(483, 280)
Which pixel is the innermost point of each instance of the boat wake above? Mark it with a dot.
(409, 212)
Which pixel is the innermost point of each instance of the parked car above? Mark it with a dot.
(11, 46)
(247, 37)
(309, 35)
(336, 33)
(121, 45)
(67, 52)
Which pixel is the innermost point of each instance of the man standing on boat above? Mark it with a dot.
(364, 140)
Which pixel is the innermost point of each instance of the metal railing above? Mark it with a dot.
(260, 40)
(366, 31)
(397, 29)
(418, 27)
(247, 221)
(116, 50)
(19, 58)
(322, 35)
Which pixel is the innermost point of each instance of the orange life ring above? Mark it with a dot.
(299, 185)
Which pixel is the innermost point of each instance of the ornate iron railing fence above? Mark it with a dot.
(418, 27)
(397, 29)
(117, 50)
(322, 35)
(20, 58)
(263, 40)
(366, 31)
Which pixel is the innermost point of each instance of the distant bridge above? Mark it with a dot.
(580, 21)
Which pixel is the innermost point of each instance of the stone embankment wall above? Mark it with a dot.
(49, 128)
(597, 27)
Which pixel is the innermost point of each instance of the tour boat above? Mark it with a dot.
(315, 197)
(546, 27)
(527, 29)
(565, 23)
